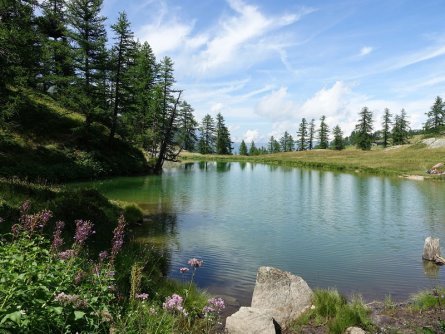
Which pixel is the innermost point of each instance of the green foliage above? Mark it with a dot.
(333, 311)
(223, 142)
(323, 133)
(386, 127)
(364, 129)
(243, 148)
(425, 300)
(287, 143)
(400, 130)
(207, 138)
(302, 135)
(338, 142)
(33, 284)
(273, 146)
(436, 116)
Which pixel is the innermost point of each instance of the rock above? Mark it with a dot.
(282, 294)
(431, 249)
(354, 330)
(249, 320)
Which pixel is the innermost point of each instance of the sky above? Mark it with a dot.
(267, 64)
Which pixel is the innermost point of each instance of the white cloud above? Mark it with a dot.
(276, 106)
(166, 36)
(251, 135)
(216, 108)
(366, 50)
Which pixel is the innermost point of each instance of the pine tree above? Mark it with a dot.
(207, 138)
(253, 149)
(310, 142)
(400, 131)
(20, 45)
(302, 135)
(187, 127)
(287, 143)
(166, 107)
(223, 141)
(56, 64)
(89, 37)
(386, 127)
(364, 129)
(338, 142)
(436, 116)
(323, 133)
(273, 146)
(123, 57)
(243, 148)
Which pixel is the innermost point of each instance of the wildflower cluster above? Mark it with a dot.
(214, 306)
(57, 236)
(31, 222)
(173, 303)
(84, 228)
(142, 296)
(67, 299)
(68, 254)
(118, 237)
(183, 270)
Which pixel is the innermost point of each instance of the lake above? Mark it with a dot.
(351, 232)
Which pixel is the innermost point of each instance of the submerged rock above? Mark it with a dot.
(354, 330)
(431, 249)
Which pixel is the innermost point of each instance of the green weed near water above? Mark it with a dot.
(333, 311)
(429, 299)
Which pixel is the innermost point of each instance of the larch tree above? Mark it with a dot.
(88, 36)
(187, 127)
(323, 133)
(364, 129)
(123, 59)
(386, 127)
(243, 148)
(223, 141)
(302, 134)
(273, 146)
(287, 142)
(338, 142)
(207, 137)
(311, 135)
(436, 116)
(400, 130)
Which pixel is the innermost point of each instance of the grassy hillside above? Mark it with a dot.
(410, 159)
(47, 142)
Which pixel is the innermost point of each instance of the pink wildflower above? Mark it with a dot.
(183, 270)
(68, 254)
(214, 305)
(84, 228)
(103, 256)
(174, 303)
(57, 236)
(195, 262)
(118, 237)
(142, 296)
(66, 299)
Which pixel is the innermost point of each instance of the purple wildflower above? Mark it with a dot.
(142, 296)
(103, 256)
(15, 229)
(35, 221)
(173, 303)
(66, 299)
(57, 236)
(84, 228)
(118, 237)
(25, 207)
(214, 305)
(195, 262)
(68, 254)
(79, 277)
(183, 270)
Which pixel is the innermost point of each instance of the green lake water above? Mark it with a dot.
(355, 233)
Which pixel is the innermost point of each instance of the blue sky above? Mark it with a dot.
(266, 64)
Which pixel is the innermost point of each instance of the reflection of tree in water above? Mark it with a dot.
(158, 235)
(242, 165)
(188, 166)
(223, 166)
(430, 269)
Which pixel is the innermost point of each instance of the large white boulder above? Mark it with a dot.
(281, 294)
(249, 320)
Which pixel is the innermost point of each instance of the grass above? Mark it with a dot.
(411, 159)
(428, 299)
(332, 311)
(45, 141)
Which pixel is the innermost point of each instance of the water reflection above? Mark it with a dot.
(335, 230)
(431, 269)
